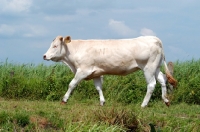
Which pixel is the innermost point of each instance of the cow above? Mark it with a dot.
(91, 59)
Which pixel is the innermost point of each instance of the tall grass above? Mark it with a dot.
(22, 85)
(27, 81)
(41, 82)
(188, 75)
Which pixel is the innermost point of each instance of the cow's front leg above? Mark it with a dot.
(98, 84)
(71, 87)
(80, 75)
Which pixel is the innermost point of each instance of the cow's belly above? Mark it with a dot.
(121, 71)
(98, 71)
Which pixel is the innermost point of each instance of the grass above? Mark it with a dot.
(41, 82)
(30, 95)
(88, 116)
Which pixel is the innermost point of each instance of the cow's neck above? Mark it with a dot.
(66, 59)
(67, 62)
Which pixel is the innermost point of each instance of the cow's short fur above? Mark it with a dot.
(91, 59)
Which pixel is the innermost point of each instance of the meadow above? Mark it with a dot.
(31, 94)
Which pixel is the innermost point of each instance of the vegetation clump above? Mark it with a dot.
(42, 82)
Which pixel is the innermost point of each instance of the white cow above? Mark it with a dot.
(91, 59)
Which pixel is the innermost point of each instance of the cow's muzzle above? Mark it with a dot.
(44, 57)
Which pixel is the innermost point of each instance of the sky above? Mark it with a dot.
(27, 27)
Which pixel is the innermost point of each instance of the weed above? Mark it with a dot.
(122, 118)
(4, 117)
(22, 119)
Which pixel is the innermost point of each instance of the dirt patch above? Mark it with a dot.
(122, 118)
(41, 122)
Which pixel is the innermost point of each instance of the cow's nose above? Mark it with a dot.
(44, 57)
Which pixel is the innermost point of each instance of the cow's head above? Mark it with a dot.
(57, 49)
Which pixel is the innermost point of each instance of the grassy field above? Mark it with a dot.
(88, 116)
(30, 101)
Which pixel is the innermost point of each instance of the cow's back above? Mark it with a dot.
(104, 47)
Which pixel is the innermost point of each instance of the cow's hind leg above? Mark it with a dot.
(98, 84)
(162, 80)
(151, 82)
(80, 75)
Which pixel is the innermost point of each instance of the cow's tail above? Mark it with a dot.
(170, 78)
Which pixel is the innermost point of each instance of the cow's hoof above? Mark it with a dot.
(63, 103)
(143, 105)
(167, 103)
(102, 103)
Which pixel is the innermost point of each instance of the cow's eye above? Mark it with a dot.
(55, 46)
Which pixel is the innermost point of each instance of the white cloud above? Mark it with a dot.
(6, 29)
(78, 15)
(147, 32)
(120, 28)
(16, 5)
(61, 18)
(33, 30)
(22, 30)
(84, 12)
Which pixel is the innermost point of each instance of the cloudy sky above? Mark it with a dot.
(27, 27)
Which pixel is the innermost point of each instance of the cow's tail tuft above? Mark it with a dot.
(170, 78)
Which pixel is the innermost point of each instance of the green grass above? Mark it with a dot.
(41, 82)
(89, 116)
(30, 96)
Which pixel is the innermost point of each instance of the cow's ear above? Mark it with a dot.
(60, 38)
(67, 39)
